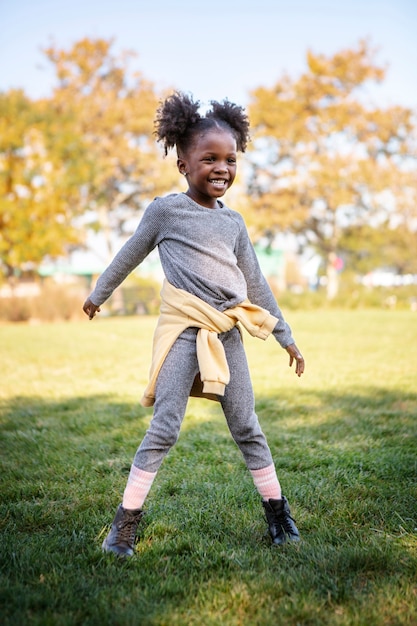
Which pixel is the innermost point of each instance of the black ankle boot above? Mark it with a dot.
(121, 538)
(281, 525)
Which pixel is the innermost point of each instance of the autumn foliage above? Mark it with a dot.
(332, 168)
(326, 164)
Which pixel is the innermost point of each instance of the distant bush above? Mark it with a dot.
(15, 309)
(140, 296)
(53, 302)
(352, 297)
(136, 296)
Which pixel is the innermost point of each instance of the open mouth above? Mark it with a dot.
(218, 182)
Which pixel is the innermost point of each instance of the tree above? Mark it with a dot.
(39, 182)
(83, 158)
(324, 160)
(113, 110)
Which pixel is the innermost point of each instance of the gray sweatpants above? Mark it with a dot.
(172, 391)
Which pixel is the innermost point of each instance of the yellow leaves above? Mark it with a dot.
(38, 181)
(110, 111)
(317, 148)
(322, 158)
(345, 70)
(85, 65)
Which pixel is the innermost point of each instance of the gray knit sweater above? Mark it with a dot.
(206, 252)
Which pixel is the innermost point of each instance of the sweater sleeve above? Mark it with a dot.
(134, 251)
(259, 292)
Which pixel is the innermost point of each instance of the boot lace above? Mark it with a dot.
(126, 530)
(286, 521)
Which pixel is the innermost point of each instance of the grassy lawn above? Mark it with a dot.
(343, 438)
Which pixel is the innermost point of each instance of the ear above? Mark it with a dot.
(182, 166)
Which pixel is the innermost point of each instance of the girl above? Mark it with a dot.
(213, 281)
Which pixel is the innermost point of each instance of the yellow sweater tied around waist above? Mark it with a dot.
(181, 310)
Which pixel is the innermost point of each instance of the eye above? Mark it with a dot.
(232, 161)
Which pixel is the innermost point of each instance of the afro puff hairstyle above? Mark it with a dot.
(178, 121)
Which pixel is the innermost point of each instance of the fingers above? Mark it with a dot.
(295, 355)
(300, 365)
(90, 309)
(93, 310)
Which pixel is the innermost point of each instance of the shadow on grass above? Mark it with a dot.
(348, 465)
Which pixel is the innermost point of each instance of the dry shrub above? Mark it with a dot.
(53, 303)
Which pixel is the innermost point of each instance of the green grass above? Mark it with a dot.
(343, 438)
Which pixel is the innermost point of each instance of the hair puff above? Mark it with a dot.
(178, 121)
(235, 117)
(174, 118)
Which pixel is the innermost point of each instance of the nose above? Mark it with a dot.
(222, 167)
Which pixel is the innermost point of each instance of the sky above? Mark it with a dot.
(214, 49)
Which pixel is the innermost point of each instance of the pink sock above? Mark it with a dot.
(267, 483)
(137, 488)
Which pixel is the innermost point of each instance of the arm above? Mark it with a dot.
(259, 292)
(146, 237)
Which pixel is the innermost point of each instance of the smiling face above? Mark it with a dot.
(210, 164)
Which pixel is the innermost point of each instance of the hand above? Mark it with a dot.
(90, 308)
(295, 355)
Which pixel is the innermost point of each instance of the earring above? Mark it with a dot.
(184, 173)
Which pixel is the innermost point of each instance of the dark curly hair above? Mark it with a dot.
(178, 120)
